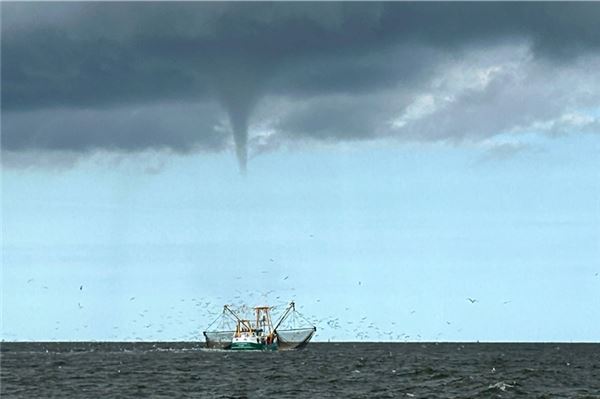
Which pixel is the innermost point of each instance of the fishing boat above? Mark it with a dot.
(261, 333)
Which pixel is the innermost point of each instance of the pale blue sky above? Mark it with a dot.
(422, 227)
(402, 157)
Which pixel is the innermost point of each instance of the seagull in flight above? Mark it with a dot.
(471, 300)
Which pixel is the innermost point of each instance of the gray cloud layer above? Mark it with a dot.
(185, 77)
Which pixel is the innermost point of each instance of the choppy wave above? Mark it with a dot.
(321, 370)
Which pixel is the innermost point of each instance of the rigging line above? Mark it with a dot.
(219, 317)
(304, 318)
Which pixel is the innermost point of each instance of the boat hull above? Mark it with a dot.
(252, 346)
(246, 346)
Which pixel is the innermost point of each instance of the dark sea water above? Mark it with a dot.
(364, 370)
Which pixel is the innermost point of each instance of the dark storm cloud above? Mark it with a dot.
(73, 73)
(190, 128)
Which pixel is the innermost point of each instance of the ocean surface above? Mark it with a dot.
(322, 370)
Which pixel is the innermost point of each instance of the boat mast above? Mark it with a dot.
(263, 319)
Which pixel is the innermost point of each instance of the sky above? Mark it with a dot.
(378, 163)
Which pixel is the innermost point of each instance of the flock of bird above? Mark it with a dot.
(343, 326)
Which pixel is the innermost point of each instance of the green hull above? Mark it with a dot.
(251, 346)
